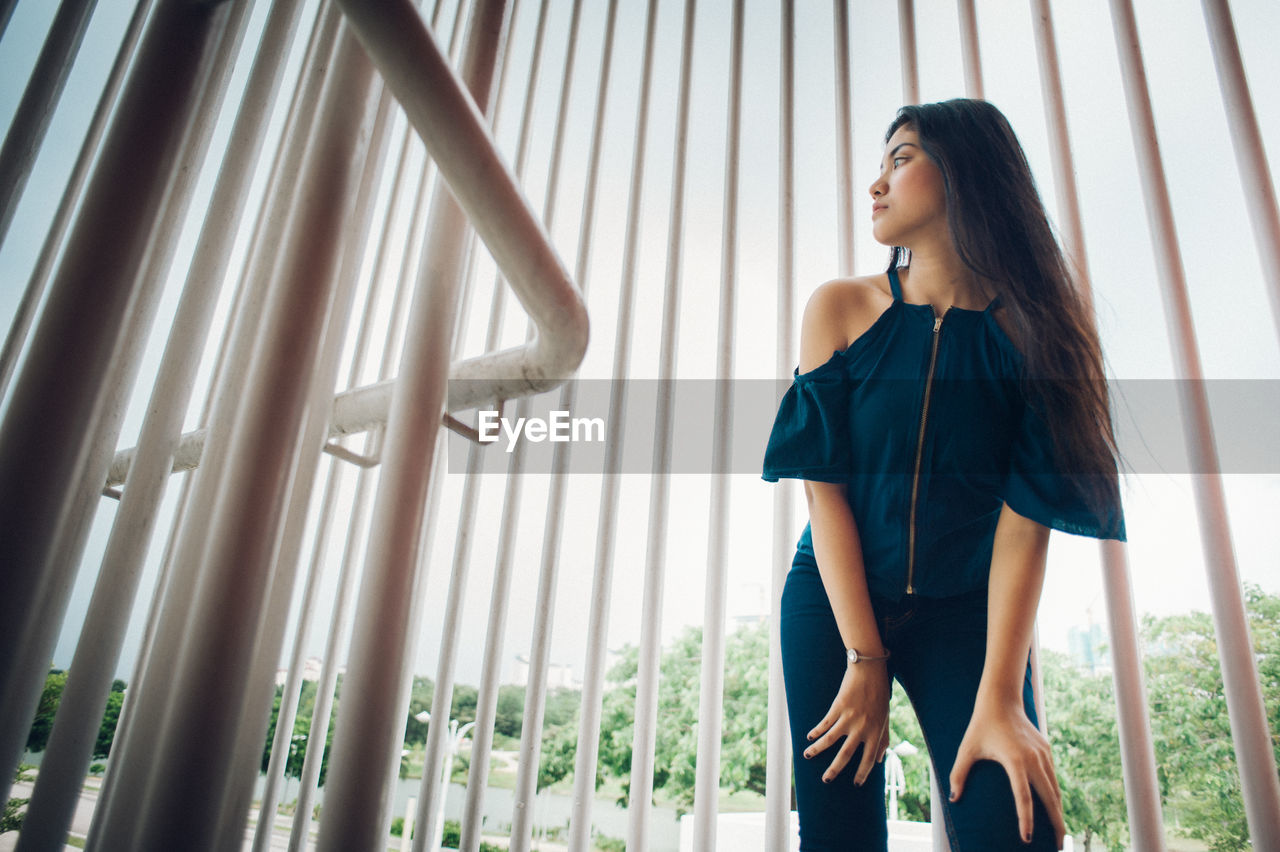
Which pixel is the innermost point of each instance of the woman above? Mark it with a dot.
(945, 415)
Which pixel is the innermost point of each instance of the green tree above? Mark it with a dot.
(110, 716)
(510, 711)
(42, 725)
(914, 800)
(299, 740)
(675, 765)
(419, 701)
(559, 749)
(1081, 712)
(1196, 764)
(463, 706)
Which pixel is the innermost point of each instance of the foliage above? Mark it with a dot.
(110, 716)
(609, 844)
(47, 710)
(1196, 765)
(1081, 712)
(1195, 758)
(913, 801)
(559, 749)
(298, 742)
(42, 725)
(746, 683)
(11, 820)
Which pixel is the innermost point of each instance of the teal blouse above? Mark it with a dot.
(926, 422)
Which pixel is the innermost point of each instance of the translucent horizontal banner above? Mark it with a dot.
(599, 426)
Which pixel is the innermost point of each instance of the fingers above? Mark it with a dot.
(884, 742)
(869, 759)
(960, 771)
(841, 760)
(818, 730)
(1022, 801)
(1045, 783)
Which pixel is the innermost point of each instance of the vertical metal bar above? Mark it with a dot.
(356, 788)
(491, 667)
(315, 435)
(907, 50)
(46, 453)
(844, 139)
(646, 713)
(196, 746)
(39, 100)
(1256, 760)
(70, 746)
(1137, 755)
(443, 688)
(544, 605)
(970, 49)
(238, 787)
(588, 745)
(778, 750)
(1251, 157)
(706, 790)
(6, 12)
(16, 336)
(126, 778)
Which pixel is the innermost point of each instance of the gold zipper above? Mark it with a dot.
(915, 481)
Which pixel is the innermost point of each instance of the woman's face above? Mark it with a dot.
(908, 199)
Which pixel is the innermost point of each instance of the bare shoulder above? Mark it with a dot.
(838, 312)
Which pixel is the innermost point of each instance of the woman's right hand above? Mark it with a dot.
(860, 714)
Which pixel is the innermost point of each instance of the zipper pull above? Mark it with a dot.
(937, 324)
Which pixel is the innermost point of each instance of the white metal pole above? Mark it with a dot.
(1251, 157)
(1259, 784)
(115, 815)
(1142, 794)
(39, 100)
(644, 742)
(315, 434)
(544, 604)
(234, 548)
(58, 424)
(491, 668)
(907, 50)
(356, 787)
(588, 745)
(844, 139)
(25, 314)
(706, 790)
(97, 652)
(778, 749)
(970, 49)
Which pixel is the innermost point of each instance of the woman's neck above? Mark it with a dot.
(941, 279)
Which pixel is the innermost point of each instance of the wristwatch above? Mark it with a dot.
(855, 657)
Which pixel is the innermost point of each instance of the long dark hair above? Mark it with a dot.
(1001, 233)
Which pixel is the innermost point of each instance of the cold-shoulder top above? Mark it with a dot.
(925, 419)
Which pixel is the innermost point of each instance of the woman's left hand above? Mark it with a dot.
(1001, 731)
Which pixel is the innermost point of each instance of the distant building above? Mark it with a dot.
(558, 674)
(310, 671)
(1089, 648)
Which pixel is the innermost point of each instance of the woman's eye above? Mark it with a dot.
(897, 161)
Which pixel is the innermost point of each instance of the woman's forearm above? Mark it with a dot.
(839, 555)
(1013, 594)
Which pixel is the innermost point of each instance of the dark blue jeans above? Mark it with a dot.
(937, 648)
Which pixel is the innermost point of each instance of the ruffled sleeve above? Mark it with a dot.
(1036, 488)
(810, 437)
